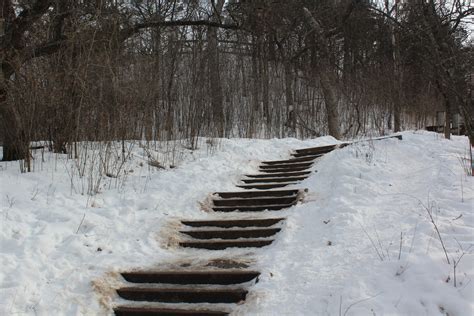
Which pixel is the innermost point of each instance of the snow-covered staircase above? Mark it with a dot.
(200, 291)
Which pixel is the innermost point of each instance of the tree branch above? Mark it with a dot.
(459, 18)
(53, 46)
(44, 49)
(126, 33)
(25, 19)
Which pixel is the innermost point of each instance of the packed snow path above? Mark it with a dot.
(212, 289)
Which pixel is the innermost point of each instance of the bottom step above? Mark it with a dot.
(219, 245)
(147, 311)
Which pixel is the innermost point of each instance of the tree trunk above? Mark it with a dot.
(327, 77)
(327, 81)
(396, 116)
(217, 100)
(397, 74)
(467, 113)
(15, 143)
(291, 119)
(266, 92)
(255, 74)
(447, 118)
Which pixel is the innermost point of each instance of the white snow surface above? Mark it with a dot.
(360, 243)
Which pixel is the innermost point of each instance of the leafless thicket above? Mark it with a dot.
(75, 71)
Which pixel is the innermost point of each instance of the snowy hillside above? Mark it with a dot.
(367, 239)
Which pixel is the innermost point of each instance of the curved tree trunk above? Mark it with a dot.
(327, 77)
(331, 100)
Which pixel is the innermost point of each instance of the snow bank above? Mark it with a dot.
(338, 254)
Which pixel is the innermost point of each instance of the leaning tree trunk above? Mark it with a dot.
(327, 75)
(328, 81)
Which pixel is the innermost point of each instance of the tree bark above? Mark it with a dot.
(327, 76)
(291, 119)
(217, 100)
(15, 142)
(447, 118)
(398, 97)
(327, 81)
(266, 89)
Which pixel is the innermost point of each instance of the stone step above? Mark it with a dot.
(267, 200)
(254, 194)
(264, 222)
(291, 160)
(231, 233)
(219, 245)
(287, 166)
(265, 186)
(252, 208)
(223, 277)
(278, 175)
(153, 311)
(266, 180)
(182, 295)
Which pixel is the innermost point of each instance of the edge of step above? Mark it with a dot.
(188, 277)
(261, 222)
(157, 311)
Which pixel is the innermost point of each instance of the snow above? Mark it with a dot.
(338, 252)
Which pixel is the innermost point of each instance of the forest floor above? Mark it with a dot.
(364, 241)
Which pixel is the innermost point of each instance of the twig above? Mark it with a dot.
(373, 243)
(470, 152)
(413, 238)
(400, 250)
(430, 213)
(355, 303)
(82, 221)
(379, 242)
(456, 262)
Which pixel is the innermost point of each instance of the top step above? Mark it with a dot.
(314, 150)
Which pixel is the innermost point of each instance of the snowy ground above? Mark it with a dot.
(361, 242)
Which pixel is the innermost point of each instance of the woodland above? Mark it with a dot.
(153, 70)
